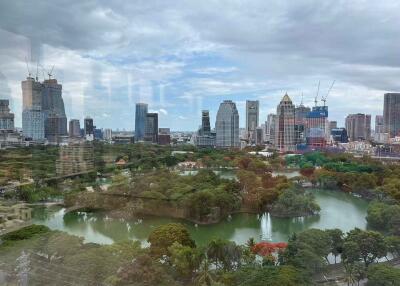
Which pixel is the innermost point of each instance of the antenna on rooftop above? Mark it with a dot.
(316, 97)
(301, 103)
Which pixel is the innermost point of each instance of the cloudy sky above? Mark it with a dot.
(184, 56)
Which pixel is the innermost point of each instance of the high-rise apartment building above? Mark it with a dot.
(43, 112)
(284, 130)
(379, 124)
(227, 125)
(205, 123)
(391, 114)
(75, 158)
(33, 120)
(270, 129)
(252, 114)
(140, 121)
(54, 110)
(6, 117)
(151, 128)
(88, 129)
(74, 128)
(164, 136)
(358, 126)
(107, 134)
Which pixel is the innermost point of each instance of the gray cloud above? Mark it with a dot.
(272, 45)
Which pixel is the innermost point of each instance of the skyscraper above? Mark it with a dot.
(151, 128)
(317, 127)
(379, 124)
(391, 114)
(88, 129)
(205, 123)
(270, 128)
(6, 117)
(252, 114)
(204, 137)
(285, 135)
(43, 112)
(140, 121)
(300, 121)
(33, 119)
(227, 125)
(53, 108)
(358, 126)
(74, 128)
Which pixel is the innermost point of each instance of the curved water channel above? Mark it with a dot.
(338, 210)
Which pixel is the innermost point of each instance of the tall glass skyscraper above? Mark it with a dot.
(285, 116)
(227, 125)
(391, 114)
(252, 114)
(140, 121)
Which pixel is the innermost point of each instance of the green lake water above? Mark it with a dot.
(338, 210)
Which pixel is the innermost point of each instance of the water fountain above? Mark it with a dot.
(266, 227)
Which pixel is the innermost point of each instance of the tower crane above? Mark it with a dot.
(316, 97)
(323, 99)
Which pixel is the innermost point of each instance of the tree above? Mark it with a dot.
(336, 240)
(383, 275)
(364, 245)
(185, 259)
(164, 236)
(393, 245)
(271, 276)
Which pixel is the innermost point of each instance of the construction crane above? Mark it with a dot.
(27, 67)
(50, 72)
(323, 99)
(316, 97)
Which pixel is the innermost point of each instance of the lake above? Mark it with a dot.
(338, 210)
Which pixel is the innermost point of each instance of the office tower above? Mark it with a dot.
(317, 126)
(98, 134)
(391, 114)
(205, 123)
(259, 136)
(284, 130)
(204, 137)
(53, 108)
(31, 94)
(379, 124)
(339, 135)
(164, 136)
(108, 134)
(33, 119)
(151, 128)
(45, 98)
(358, 126)
(33, 124)
(74, 128)
(88, 129)
(332, 125)
(227, 125)
(270, 128)
(6, 117)
(140, 121)
(252, 114)
(75, 158)
(301, 113)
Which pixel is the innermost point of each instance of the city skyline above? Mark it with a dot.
(179, 67)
